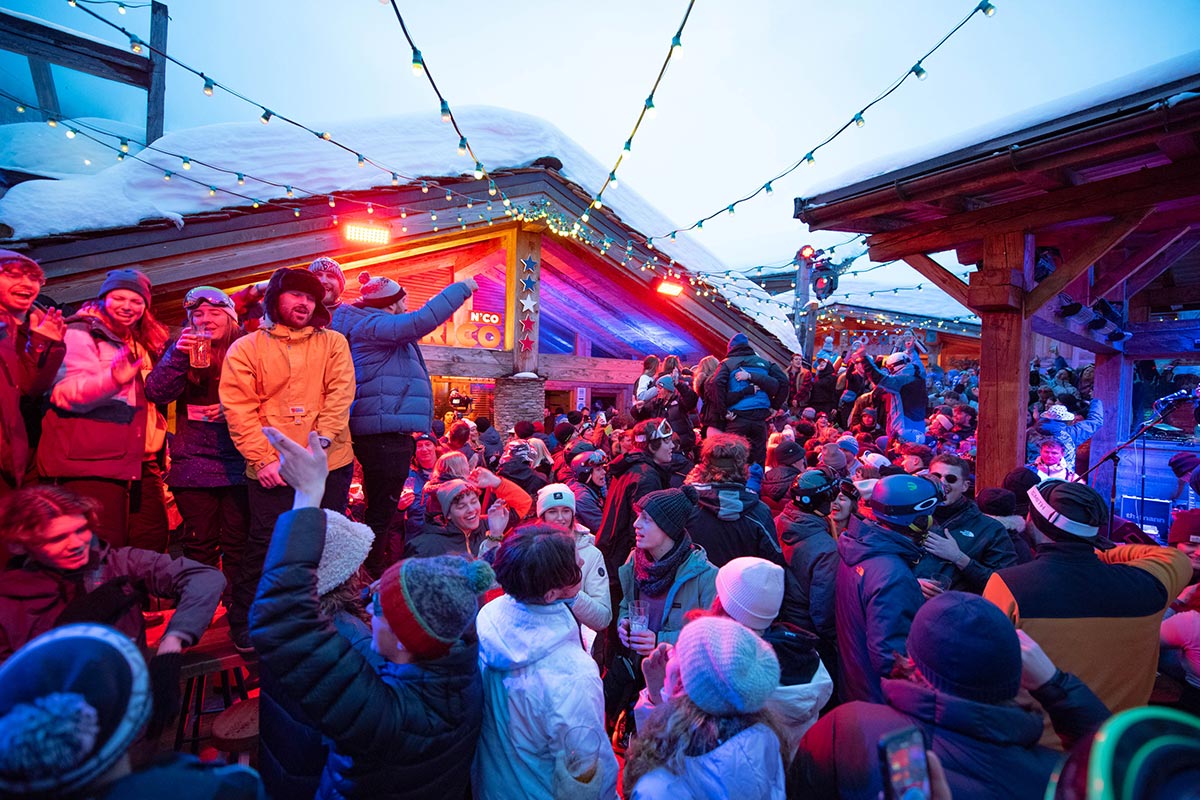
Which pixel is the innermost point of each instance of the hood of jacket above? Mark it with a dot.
(795, 526)
(516, 470)
(1050, 427)
(490, 438)
(296, 279)
(1002, 724)
(870, 539)
(726, 501)
(94, 322)
(513, 635)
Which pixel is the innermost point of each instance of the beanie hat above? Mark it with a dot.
(724, 667)
(1019, 481)
(72, 701)
(294, 279)
(751, 591)
(131, 279)
(669, 508)
(666, 382)
(876, 460)
(430, 602)
(1058, 412)
(1185, 528)
(555, 495)
(523, 429)
(346, 546)
(944, 421)
(965, 646)
(447, 492)
(868, 412)
(789, 452)
(736, 341)
(518, 450)
(1063, 507)
(849, 444)
(997, 502)
(378, 292)
(1183, 464)
(563, 431)
(809, 413)
(833, 456)
(328, 265)
(9, 258)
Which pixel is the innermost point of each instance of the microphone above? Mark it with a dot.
(1165, 403)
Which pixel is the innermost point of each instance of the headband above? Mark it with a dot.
(1058, 520)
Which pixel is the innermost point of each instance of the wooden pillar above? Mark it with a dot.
(524, 298)
(997, 294)
(156, 92)
(1114, 388)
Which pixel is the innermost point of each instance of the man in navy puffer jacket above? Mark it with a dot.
(394, 398)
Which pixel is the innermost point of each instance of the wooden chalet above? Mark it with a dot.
(576, 318)
(1114, 188)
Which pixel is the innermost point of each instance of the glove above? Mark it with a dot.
(164, 686)
(107, 603)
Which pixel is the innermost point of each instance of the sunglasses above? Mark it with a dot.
(205, 294)
(945, 476)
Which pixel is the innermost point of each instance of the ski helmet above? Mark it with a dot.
(905, 501)
(814, 489)
(583, 464)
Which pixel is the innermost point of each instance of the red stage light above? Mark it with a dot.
(670, 288)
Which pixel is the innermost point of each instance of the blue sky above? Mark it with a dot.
(755, 86)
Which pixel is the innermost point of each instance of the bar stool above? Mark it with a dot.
(235, 731)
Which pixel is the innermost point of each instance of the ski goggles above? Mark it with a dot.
(206, 294)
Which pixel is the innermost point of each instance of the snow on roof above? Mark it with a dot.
(1160, 74)
(127, 193)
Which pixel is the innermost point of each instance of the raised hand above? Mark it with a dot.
(51, 326)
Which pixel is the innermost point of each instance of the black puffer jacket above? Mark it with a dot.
(811, 553)
(403, 730)
(775, 486)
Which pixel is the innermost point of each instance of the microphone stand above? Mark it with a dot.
(1115, 457)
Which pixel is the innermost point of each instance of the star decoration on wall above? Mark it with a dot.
(526, 344)
(528, 264)
(527, 325)
(528, 304)
(528, 283)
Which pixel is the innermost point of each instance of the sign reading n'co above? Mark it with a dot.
(482, 329)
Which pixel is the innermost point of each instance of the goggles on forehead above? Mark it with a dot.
(662, 431)
(846, 486)
(206, 294)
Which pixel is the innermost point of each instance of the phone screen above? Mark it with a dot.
(906, 773)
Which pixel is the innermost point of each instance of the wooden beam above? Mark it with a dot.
(1105, 239)
(525, 299)
(1113, 387)
(1164, 339)
(1116, 274)
(465, 362)
(1161, 264)
(939, 275)
(1003, 361)
(1113, 197)
(577, 369)
(1068, 331)
(24, 36)
(156, 91)
(43, 85)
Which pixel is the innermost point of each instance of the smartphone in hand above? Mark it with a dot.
(905, 769)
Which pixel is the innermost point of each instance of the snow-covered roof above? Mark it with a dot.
(1161, 74)
(127, 193)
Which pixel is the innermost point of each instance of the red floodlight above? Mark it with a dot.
(806, 253)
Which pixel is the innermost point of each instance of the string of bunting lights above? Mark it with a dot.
(858, 120)
(646, 110)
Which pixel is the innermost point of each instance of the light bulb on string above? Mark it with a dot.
(676, 45)
(404, 213)
(491, 191)
(187, 163)
(424, 187)
(650, 111)
(478, 173)
(20, 109)
(167, 175)
(135, 44)
(446, 111)
(395, 179)
(858, 120)
(326, 135)
(612, 180)
(121, 8)
(370, 208)
(212, 191)
(987, 8)
(52, 122)
(295, 212)
(266, 116)
(919, 71)
(71, 133)
(462, 146)
(418, 63)
(241, 179)
(333, 204)
(362, 162)
(627, 150)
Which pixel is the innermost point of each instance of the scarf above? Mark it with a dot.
(655, 577)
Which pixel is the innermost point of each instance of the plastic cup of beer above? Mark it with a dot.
(639, 616)
(581, 747)
(201, 354)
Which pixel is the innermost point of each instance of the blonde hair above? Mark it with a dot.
(449, 466)
(707, 367)
(680, 729)
(724, 458)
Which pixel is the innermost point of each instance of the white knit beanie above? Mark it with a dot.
(554, 495)
(346, 546)
(751, 591)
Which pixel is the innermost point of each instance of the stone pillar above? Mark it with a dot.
(517, 399)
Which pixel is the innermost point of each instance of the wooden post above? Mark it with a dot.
(43, 84)
(524, 298)
(156, 93)
(997, 294)
(1114, 388)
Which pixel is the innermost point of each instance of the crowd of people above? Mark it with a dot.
(736, 587)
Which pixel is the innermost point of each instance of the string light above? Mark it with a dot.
(418, 63)
(858, 120)
(446, 111)
(266, 116)
(462, 145)
(919, 71)
(208, 86)
(71, 133)
(362, 162)
(187, 163)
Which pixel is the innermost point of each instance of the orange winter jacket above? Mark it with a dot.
(1095, 614)
(294, 380)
